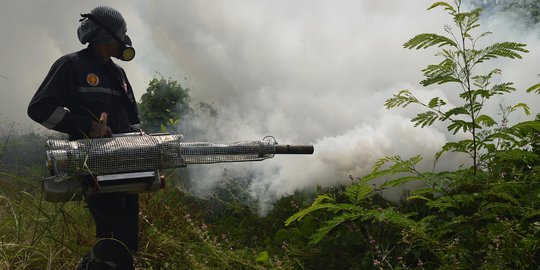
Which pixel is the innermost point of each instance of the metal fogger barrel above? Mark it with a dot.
(131, 162)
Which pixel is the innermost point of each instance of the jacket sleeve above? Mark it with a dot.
(50, 106)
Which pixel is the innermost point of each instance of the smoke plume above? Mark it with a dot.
(307, 72)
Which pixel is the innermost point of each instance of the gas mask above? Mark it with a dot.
(126, 52)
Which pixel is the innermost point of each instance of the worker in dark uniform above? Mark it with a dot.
(78, 89)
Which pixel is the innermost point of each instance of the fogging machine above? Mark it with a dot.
(131, 162)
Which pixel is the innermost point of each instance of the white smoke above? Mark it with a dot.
(307, 72)
(313, 73)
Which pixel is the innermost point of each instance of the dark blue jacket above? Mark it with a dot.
(77, 89)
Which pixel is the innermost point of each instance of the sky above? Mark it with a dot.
(307, 72)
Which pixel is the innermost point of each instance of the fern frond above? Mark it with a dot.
(400, 166)
(381, 161)
(422, 192)
(436, 102)
(523, 129)
(504, 49)
(401, 99)
(440, 73)
(439, 80)
(331, 224)
(324, 197)
(474, 94)
(456, 201)
(418, 197)
(502, 88)
(535, 88)
(427, 40)
(499, 135)
(455, 111)
(485, 120)
(468, 21)
(518, 155)
(425, 119)
(483, 35)
(461, 125)
(483, 81)
(504, 196)
(461, 146)
(472, 21)
(358, 192)
(400, 181)
(524, 106)
(472, 106)
(445, 5)
(398, 219)
(329, 206)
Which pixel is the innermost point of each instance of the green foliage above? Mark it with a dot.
(482, 217)
(460, 57)
(177, 231)
(163, 105)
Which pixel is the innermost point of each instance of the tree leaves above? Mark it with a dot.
(523, 106)
(485, 120)
(444, 5)
(427, 40)
(457, 215)
(439, 74)
(314, 207)
(503, 49)
(358, 192)
(425, 119)
(331, 224)
(458, 125)
(535, 88)
(164, 102)
(401, 99)
(436, 103)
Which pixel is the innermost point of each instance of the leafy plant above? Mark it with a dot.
(163, 104)
(484, 216)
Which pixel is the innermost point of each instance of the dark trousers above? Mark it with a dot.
(116, 216)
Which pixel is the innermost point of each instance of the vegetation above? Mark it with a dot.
(480, 217)
(483, 215)
(163, 105)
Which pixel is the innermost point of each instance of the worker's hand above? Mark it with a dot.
(98, 130)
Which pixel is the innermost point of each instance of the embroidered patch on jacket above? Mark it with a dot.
(92, 79)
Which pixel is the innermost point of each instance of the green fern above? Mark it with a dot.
(400, 181)
(436, 102)
(444, 5)
(535, 88)
(327, 206)
(479, 216)
(401, 99)
(332, 224)
(423, 41)
(425, 119)
(485, 120)
(358, 192)
(503, 49)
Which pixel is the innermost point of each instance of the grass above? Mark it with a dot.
(177, 230)
(35, 234)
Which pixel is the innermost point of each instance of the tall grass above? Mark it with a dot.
(177, 230)
(35, 234)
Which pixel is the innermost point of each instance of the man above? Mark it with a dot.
(79, 88)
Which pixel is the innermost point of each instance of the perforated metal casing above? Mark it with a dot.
(145, 153)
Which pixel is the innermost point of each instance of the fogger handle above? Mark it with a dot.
(294, 149)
